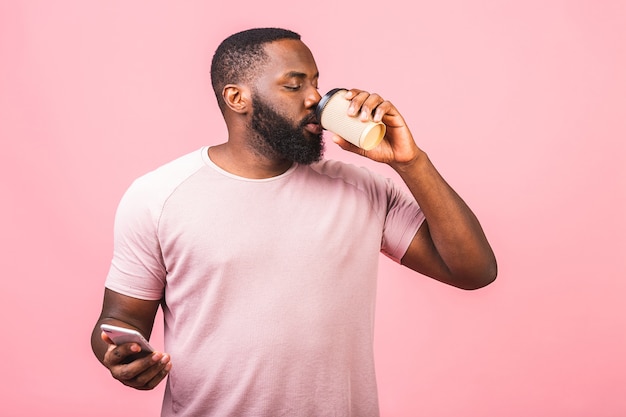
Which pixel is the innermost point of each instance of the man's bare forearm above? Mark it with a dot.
(454, 229)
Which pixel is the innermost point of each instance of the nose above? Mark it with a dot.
(313, 97)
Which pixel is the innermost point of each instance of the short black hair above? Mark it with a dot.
(240, 55)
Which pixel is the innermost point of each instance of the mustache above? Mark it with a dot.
(311, 118)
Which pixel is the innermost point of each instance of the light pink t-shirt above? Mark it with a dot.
(269, 284)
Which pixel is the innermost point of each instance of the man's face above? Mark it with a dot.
(284, 98)
(278, 138)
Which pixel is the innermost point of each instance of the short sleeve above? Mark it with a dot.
(137, 268)
(402, 221)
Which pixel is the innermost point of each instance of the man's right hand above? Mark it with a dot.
(139, 372)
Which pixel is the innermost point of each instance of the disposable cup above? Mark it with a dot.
(332, 113)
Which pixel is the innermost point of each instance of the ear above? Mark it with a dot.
(236, 97)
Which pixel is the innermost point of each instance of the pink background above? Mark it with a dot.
(521, 105)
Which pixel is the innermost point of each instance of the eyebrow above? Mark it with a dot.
(297, 74)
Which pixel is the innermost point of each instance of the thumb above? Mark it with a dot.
(106, 338)
(346, 146)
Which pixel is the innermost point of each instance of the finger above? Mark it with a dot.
(357, 98)
(370, 105)
(158, 377)
(116, 355)
(128, 373)
(351, 93)
(151, 377)
(105, 337)
(364, 105)
(347, 146)
(381, 110)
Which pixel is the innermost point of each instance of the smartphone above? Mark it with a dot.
(121, 335)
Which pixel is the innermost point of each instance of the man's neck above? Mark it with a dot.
(245, 163)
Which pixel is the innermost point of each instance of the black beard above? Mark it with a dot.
(279, 139)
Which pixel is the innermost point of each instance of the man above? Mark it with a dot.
(263, 255)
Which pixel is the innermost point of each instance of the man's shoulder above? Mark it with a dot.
(162, 181)
(182, 165)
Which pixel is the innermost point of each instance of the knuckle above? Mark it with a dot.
(142, 381)
(124, 374)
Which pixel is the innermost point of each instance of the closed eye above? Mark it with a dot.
(293, 87)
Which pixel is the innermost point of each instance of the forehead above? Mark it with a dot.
(288, 56)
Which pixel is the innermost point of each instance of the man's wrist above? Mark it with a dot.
(416, 162)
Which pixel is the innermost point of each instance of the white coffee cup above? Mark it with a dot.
(332, 113)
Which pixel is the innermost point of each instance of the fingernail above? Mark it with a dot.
(165, 359)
